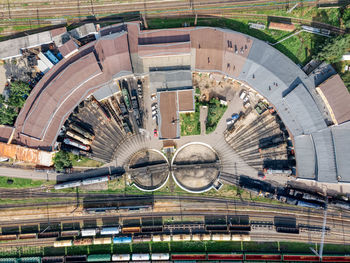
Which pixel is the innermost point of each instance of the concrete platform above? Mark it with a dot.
(195, 167)
(148, 169)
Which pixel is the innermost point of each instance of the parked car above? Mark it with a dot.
(155, 133)
(235, 116)
(243, 94)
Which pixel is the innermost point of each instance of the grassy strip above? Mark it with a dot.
(82, 161)
(9, 182)
(186, 246)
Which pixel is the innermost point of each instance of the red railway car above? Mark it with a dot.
(264, 257)
(192, 256)
(336, 258)
(301, 258)
(225, 256)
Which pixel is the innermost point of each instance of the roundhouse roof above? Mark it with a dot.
(242, 57)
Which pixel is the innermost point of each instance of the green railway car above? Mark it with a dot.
(99, 258)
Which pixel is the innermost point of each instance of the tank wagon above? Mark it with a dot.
(82, 131)
(76, 144)
(78, 137)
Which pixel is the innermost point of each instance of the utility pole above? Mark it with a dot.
(320, 253)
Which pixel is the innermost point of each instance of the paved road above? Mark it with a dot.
(28, 174)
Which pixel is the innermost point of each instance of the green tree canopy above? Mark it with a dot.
(9, 109)
(61, 161)
(333, 49)
(19, 92)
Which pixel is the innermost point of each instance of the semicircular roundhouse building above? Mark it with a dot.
(123, 50)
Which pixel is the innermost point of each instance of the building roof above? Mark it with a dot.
(106, 91)
(305, 157)
(168, 115)
(12, 47)
(321, 73)
(173, 79)
(341, 141)
(68, 48)
(337, 98)
(83, 31)
(5, 133)
(58, 31)
(26, 154)
(186, 100)
(65, 86)
(282, 26)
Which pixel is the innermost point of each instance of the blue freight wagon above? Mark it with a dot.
(118, 240)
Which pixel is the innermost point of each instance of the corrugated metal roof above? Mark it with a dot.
(106, 91)
(26, 154)
(12, 48)
(341, 139)
(325, 155)
(305, 157)
(305, 110)
(83, 31)
(170, 79)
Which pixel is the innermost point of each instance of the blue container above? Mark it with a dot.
(110, 231)
(51, 57)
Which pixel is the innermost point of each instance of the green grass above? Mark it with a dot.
(252, 246)
(215, 112)
(82, 161)
(222, 246)
(121, 248)
(187, 246)
(190, 123)
(160, 247)
(21, 183)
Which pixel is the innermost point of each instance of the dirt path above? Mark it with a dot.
(203, 113)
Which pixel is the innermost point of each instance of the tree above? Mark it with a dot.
(19, 92)
(333, 50)
(61, 161)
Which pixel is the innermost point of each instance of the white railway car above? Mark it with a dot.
(121, 257)
(67, 185)
(110, 231)
(76, 144)
(102, 241)
(88, 232)
(63, 243)
(221, 237)
(140, 257)
(160, 256)
(95, 180)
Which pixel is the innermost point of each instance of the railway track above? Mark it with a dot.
(37, 13)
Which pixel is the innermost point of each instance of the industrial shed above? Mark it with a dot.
(336, 98)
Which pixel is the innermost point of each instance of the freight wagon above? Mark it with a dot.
(63, 243)
(110, 231)
(88, 232)
(118, 240)
(76, 144)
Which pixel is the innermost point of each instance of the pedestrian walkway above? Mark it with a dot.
(203, 113)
